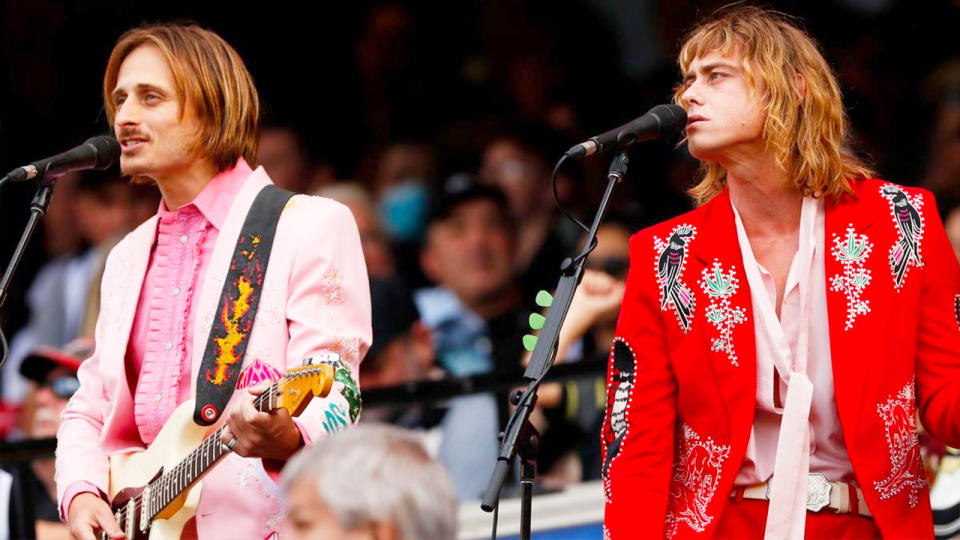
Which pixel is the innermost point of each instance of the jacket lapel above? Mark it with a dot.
(209, 297)
(725, 310)
(849, 250)
(134, 269)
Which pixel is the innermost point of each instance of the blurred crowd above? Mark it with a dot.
(447, 173)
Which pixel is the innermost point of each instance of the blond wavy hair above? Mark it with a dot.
(808, 137)
(211, 77)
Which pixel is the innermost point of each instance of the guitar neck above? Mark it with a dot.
(165, 489)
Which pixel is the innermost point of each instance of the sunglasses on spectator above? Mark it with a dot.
(63, 387)
(613, 266)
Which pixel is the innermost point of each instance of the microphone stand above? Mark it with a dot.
(520, 438)
(38, 208)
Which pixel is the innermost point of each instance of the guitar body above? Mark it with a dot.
(130, 472)
(160, 486)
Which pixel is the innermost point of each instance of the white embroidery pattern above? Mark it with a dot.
(669, 263)
(906, 471)
(956, 309)
(332, 282)
(908, 220)
(697, 467)
(719, 287)
(616, 422)
(852, 251)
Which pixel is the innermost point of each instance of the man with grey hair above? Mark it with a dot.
(372, 481)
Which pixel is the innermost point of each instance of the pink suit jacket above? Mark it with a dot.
(315, 298)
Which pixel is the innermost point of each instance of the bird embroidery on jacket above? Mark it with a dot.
(670, 263)
(616, 427)
(906, 250)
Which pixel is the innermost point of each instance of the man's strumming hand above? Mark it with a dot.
(88, 514)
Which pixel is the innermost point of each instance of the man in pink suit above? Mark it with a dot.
(186, 113)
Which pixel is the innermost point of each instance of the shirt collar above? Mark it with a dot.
(215, 198)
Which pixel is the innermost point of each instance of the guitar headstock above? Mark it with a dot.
(298, 386)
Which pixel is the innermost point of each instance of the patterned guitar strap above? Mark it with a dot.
(230, 331)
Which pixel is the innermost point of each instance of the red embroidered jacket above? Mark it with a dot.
(681, 384)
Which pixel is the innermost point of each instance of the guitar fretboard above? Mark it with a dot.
(172, 483)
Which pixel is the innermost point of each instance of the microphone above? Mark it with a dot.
(98, 152)
(662, 121)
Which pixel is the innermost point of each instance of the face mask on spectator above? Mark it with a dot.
(403, 209)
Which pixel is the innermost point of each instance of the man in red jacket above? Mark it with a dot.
(776, 344)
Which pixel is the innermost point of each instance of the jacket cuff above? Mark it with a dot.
(74, 489)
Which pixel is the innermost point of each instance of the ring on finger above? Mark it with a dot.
(228, 446)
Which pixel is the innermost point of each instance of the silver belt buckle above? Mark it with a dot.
(818, 492)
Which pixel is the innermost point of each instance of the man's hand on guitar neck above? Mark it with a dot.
(88, 513)
(258, 434)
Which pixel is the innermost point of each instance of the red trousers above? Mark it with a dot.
(745, 519)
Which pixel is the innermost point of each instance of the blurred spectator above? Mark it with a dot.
(474, 312)
(284, 154)
(519, 168)
(402, 349)
(468, 253)
(60, 233)
(64, 297)
(404, 172)
(402, 162)
(371, 481)
(51, 376)
(376, 249)
(401, 175)
(402, 352)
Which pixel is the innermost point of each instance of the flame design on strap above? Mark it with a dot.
(231, 316)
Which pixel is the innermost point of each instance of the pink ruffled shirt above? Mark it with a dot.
(159, 355)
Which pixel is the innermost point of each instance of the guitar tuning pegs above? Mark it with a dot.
(536, 321)
(544, 299)
(529, 342)
(321, 358)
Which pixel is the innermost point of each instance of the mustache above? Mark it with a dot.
(130, 132)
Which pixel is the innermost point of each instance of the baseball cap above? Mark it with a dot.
(42, 359)
(459, 189)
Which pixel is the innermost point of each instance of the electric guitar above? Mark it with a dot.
(154, 492)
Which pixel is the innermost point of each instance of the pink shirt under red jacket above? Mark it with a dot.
(682, 380)
(163, 293)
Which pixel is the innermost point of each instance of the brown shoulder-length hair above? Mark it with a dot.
(808, 136)
(209, 76)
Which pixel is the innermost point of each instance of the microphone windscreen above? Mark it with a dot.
(672, 119)
(107, 150)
